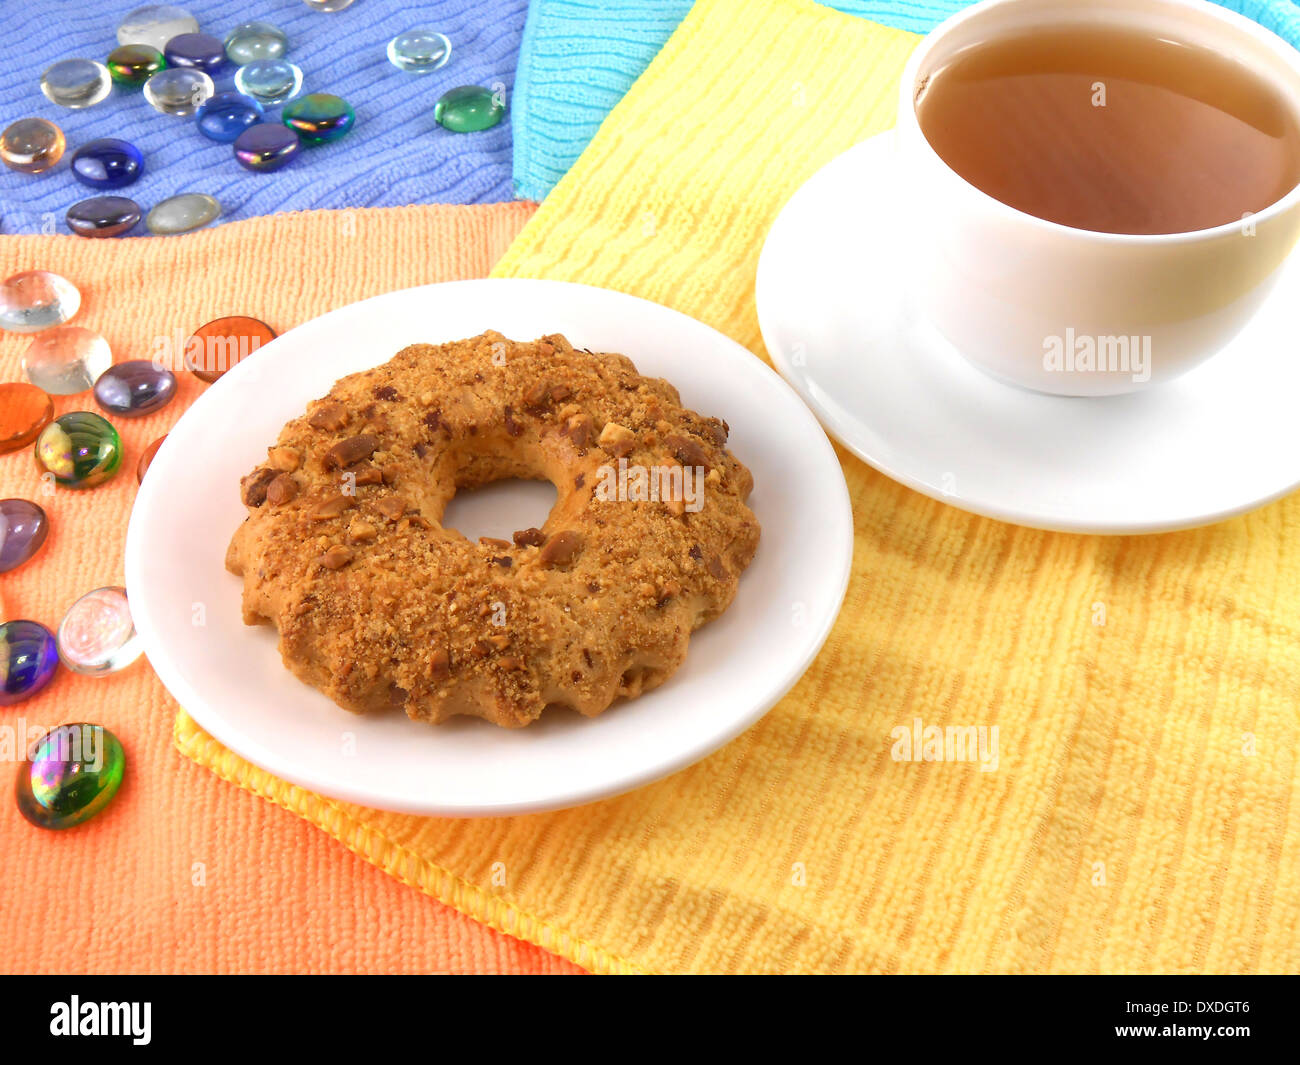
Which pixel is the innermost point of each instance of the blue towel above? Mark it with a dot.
(578, 58)
(396, 154)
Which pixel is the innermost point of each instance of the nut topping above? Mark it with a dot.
(330, 508)
(617, 439)
(252, 489)
(351, 451)
(281, 490)
(330, 416)
(561, 548)
(336, 557)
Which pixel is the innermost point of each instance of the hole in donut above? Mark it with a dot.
(500, 508)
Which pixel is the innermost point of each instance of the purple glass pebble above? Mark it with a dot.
(200, 51)
(135, 388)
(266, 146)
(29, 656)
(23, 528)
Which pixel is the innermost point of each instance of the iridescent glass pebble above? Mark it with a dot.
(81, 449)
(225, 116)
(134, 64)
(468, 109)
(266, 147)
(142, 467)
(35, 300)
(269, 81)
(179, 91)
(201, 51)
(180, 214)
(107, 163)
(319, 117)
(327, 5)
(222, 343)
(103, 216)
(76, 83)
(155, 25)
(73, 773)
(31, 145)
(135, 388)
(23, 528)
(97, 635)
(66, 360)
(255, 40)
(24, 411)
(419, 51)
(28, 657)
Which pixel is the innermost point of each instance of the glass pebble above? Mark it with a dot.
(201, 51)
(183, 213)
(178, 91)
(146, 460)
(66, 360)
(74, 772)
(328, 5)
(135, 388)
(24, 411)
(28, 658)
(31, 145)
(155, 25)
(97, 635)
(255, 40)
(35, 300)
(419, 51)
(103, 216)
(81, 449)
(269, 81)
(134, 64)
(319, 117)
(107, 163)
(468, 109)
(223, 343)
(225, 116)
(23, 528)
(76, 83)
(266, 147)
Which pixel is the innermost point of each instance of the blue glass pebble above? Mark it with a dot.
(135, 388)
(23, 528)
(200, 51)
(269, 81)
(103, 216)
(266, 147)
(225, 116)
(29, 656)
(107, 163)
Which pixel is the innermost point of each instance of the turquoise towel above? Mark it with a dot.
(578, 58)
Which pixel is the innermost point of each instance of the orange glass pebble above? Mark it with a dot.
(222, 343)
(31, 145)
(24, 411)
(142, 467)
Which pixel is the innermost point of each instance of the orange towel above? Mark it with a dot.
(184, 873)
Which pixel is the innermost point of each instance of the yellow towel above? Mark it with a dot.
(1140, 817)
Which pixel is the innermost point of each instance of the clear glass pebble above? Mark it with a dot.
(328, 5)
(250, 41)
(155, 25)
(97, 635)
(183, 213)
(178, 91)
(31, 145)
(76, 83)
(66, 360)
(419, 51)
(269, 81)
(36, 300)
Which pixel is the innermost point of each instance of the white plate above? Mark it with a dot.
(837, 322)
(229, 677)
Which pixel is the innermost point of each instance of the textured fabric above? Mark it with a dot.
(396, 155)
(120, 893)
(1141, 817)
(578, 59)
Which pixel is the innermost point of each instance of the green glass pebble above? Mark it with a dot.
(319, 117)
(468, 109)
(74, 772)
(134, 64)
(255, 40)
(80, 448)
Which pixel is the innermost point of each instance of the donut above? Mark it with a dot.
(379, 605)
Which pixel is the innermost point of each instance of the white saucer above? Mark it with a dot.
(229, 676)
(1223, 439)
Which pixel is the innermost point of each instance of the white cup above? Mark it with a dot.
(1007, 289)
